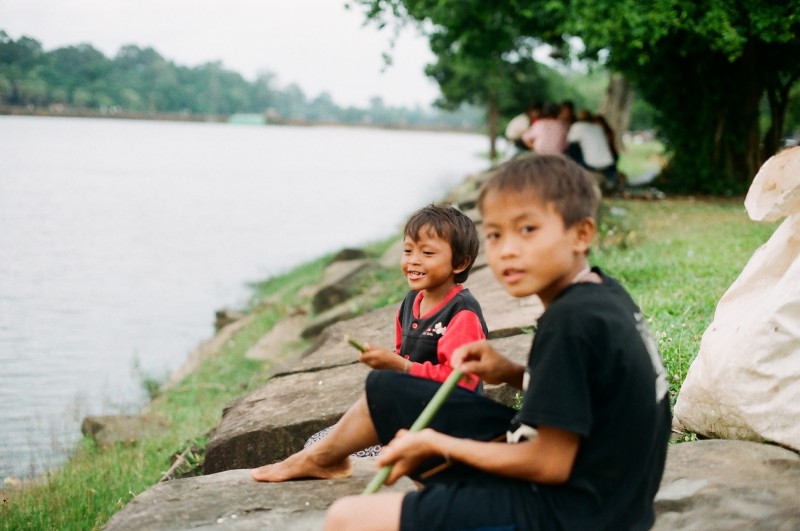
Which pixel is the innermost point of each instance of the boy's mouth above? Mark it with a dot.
(511, 276)
(415, 275)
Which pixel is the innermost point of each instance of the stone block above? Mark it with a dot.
(273, 422)
(376, 327)
(391, 257)
(274, 343)
(108, 430)
(231, 500)
(339, 283)
(725, 484)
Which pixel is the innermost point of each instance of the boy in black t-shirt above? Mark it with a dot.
(587, 448)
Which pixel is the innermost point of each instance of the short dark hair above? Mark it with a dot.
(451, 225)
(552, 179)
(550, 110)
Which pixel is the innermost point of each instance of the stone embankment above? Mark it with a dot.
(710, 484)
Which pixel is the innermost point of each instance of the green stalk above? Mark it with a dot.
(421, 423)
(356, 344)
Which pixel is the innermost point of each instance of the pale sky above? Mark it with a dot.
(317, 44)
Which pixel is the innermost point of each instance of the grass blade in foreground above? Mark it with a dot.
(421, 423)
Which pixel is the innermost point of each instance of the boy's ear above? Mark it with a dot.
(463, 266)
(584, 231)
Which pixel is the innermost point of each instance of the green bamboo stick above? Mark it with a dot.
(356, 344)
(421, 423)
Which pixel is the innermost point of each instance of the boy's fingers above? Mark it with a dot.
(468, 367)
(464, 353)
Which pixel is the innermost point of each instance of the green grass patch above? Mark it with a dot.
(685, 254)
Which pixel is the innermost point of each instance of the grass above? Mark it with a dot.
(677, 257)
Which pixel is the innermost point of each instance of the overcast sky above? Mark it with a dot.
(317, 44)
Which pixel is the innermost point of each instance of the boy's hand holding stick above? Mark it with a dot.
(421, 423)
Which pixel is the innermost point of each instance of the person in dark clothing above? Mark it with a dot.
(588, 446)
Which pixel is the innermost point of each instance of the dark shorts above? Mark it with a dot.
(459, 497)
(488, 503)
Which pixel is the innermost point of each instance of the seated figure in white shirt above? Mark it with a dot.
(588, 145)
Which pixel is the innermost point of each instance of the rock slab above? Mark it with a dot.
(273, 422)
(233, 501)
(724, 484)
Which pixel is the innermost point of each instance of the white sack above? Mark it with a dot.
(745, 381)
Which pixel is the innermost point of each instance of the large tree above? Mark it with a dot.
(705, 67)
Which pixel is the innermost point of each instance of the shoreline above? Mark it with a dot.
(7, 110)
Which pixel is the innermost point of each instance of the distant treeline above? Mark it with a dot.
(139, 81)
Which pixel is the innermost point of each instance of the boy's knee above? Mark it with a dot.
(339, 514)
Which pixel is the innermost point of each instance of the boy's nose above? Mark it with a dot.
(508, 248)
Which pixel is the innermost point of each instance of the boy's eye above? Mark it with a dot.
(527, 229)
(406, 251)
(428, 253)
(492, 235)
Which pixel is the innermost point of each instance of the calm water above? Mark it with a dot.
(119, 240)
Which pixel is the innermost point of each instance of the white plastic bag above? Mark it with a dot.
(745, 381)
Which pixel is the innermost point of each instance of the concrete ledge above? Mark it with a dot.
(274, 421)
(233, 501)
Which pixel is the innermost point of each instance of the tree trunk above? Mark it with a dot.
(616, 106)
(741, 156)
(778, 97)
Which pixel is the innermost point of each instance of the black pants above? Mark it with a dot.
(396, 399)
(459, 497)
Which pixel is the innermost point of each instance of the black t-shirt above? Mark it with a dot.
(594, 370)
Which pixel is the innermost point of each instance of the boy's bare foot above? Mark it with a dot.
(302, 465)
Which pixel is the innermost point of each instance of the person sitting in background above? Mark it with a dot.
(610, 136)
(566, 113)
(548, 135)
(521, 123)
(588, 146)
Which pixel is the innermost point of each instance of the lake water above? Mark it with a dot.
(119, 240)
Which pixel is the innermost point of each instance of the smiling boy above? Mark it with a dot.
(438, 314)
(587, 448)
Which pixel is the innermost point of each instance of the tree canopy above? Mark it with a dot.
(709, 68)
(712, 70)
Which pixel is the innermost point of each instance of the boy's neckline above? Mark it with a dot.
(581, 275)
(417, 308)
(588, 275)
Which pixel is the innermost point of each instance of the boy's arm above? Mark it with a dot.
(485, 362)
(547, 458)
